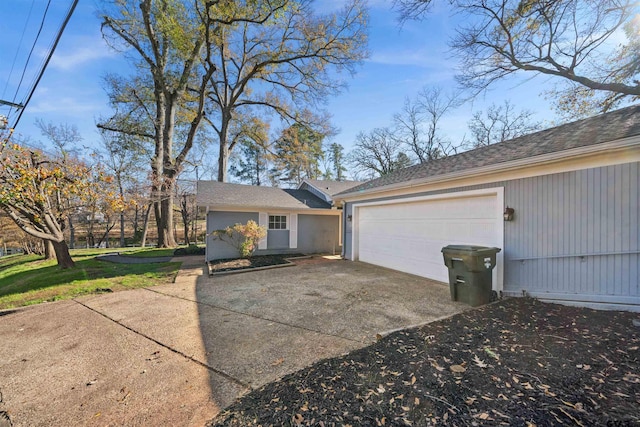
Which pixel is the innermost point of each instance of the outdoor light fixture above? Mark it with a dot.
(349, 218)
(508, 214)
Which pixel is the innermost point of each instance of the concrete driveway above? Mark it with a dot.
(177, 354)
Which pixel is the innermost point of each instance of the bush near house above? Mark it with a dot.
(243, 237)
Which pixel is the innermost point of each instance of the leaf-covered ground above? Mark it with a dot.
(518, 362)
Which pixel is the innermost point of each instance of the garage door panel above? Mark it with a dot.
(410, 236)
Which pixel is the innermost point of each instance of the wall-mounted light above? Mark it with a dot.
(349, 218)
(508, 213)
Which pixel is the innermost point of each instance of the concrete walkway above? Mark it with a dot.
(121, 259)
(177, 354)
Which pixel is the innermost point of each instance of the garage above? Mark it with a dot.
(408, 235)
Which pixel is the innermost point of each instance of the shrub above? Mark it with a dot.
(243, 237)
(189, 250)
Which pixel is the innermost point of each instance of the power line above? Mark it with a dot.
(46, 63)
(15, 57)
(33, 46)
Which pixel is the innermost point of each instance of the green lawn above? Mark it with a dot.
(148, 252)
(28, 279)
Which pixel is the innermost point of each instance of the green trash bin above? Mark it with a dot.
(470, 272)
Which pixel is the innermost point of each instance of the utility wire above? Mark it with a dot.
(46, 63)
(15, 57)
(33, 46)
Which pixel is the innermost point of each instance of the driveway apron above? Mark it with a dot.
(176, 354)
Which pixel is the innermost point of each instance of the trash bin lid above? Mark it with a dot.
(470, 249)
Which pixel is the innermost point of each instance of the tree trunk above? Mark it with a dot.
(184, 211)
(62, 254)
(122, 230)
(164, 216)
(166, 220)
(105, 236)
(222, 162)
(223, 152)
(145, 226)
(72, 233)
(157, 210)
(136, 220)
(49, 250)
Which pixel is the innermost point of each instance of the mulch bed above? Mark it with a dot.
(518, 362)
(232, 264)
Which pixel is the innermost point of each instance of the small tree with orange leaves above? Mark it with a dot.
(38, 192)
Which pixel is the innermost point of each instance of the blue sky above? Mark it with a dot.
(403, 60)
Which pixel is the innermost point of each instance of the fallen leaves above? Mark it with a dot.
(508, 364)
(479, 363)
(632, 378)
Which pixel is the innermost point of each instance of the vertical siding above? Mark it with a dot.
(593, 213)
(318, 234)
(347, 230)
(575, 234)
(217, 249)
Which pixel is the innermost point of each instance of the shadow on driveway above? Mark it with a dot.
(177, 354)
(259, 326)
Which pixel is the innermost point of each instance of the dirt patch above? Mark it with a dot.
(516, 362)
(259, 261)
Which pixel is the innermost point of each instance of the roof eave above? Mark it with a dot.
(257, 208)
(557, 156)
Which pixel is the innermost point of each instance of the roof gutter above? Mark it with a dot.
(573, 153)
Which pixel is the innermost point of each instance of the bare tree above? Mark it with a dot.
(574, 40)
(121, 154)
(282, 67)
(418, 124)
(377, 153)
(65, 139)
(170, 43)
(500, 123)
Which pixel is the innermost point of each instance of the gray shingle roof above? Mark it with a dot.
(595, 130)
(214, 193)
(330, 188)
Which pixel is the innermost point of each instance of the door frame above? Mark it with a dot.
(497, 191)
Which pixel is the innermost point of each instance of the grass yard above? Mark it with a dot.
(28, 279)
(148, 252)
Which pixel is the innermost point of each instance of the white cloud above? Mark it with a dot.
(64, 105)
(81, 54)
(416, 58)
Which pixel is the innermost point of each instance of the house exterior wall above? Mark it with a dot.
(278, 239)
(319, 233)
(217, 249)
(574, 235)
(316, 234)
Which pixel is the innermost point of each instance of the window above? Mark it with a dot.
(277, 222)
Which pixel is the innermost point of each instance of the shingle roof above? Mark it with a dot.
(214, 193)
(595, 130)
(330, 188)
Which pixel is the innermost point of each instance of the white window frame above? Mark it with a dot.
(286, 218)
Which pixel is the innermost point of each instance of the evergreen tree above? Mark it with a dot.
(297, 154)
(336, 157)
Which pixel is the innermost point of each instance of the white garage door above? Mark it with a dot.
(409, 236)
